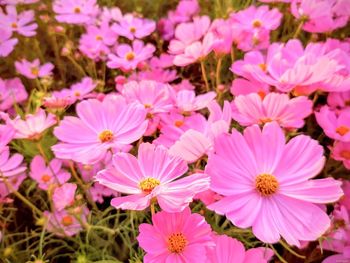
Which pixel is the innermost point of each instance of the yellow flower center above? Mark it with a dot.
(263, 66)
(132, 29)
(262, 94)
(257, 23)
(106, 136)
(177, 243)
(77, 10)
(77, 93)
(345, 154)
(342, 130)
(99, 38)
(265, 120)
(67, 220)
(179, 123)
(266, 184)
(147, 106)
(14, 25)
(148, 184)
(45, 178)
(130, 56)
(34, 71)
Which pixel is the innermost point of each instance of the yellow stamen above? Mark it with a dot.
(266, 184)
(177, 243)
(106, 136)
(148, 184)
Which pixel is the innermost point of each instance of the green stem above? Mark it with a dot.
(277, 254)
(78, 67)
(204, 74)
(300, 26)
(291, 250)
(21, 197)
(218, 71)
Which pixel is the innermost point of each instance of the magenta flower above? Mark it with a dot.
(128, 57)
(338, 99)
(153, 175)
(22, 23)
(10, 165)
(242, 86)
(187, 101)
(33, 70)
(96, 41)
(76, 11)
(335, 126)
(289, 113)
(7, 132)
(99, 127)
(341, 152)
(7, 44)
(321, 15)
(16, 182)
(229, 250)
(63, 196)
(133, 27)
(33, 125)
(266, 184)
(12, 91)
(175, 237)
(48, 175)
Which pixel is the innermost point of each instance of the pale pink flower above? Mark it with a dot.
(75, 11)
(12, 92)
(229, 250)
(153, 175)
(133, 27)
(196, 51)
(16, 182)
(33, 69)
(289, 113)
(10, 165)
(188, 33)
(266, 184)
(33, 126)
(63, 196)
(7, 132)
(81, 89)
(223, 34)
(7, 44)
(335, 126)
(65, 223)
(175, 238)
(341, 152)
(99, 127)
(243, 87)
(128, 57)
(47, 175)
(187, 102)
(22, 23)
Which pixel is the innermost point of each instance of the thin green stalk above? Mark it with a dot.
(298, 30)
(277, 254)
(204, 74)
(218, 71)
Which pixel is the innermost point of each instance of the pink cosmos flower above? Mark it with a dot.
(133, 27)
(16, 182)
(196, 51)
(321, 15)
(81, 89)
(100, 126)
(10, 165)
(22, 23)
(222, 30)
(289, 113)
(229, 250)
(12, 91)
(7, 44)
(7, 132)
(48, 175)
(96, 41)
(175, 237)
(153, 175)
(174, 124)
(64, 223)
(188, 33)
(128, 57)
(242, 86)
(192, 144)
(63, 196)
(338, 99)
(76, 11)
(341, 152)
(187, 101)
(33, 125)
(266, 184)
(335, 126)
(33, 70)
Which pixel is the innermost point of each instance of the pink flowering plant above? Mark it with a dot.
(176, 131)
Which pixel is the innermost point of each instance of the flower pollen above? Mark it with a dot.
(148, 184)
(266, 184)
(67, 220)
(177, 243)
(130, 56)
(342, 130)
(106, 136)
